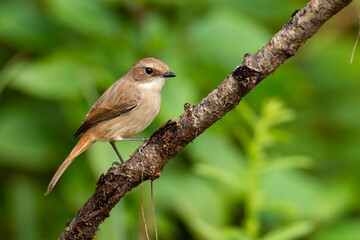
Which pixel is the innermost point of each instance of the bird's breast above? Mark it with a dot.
(143, 114)
(131, 123)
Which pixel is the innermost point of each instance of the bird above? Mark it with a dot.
(125, 109)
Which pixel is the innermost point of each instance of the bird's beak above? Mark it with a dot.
(169, 74)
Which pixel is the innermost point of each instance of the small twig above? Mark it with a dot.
(142, 204)
(153, 208)
(357, 38)
(135, 152)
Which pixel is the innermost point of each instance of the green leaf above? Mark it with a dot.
(334, 201)
(287, 162)
(23, 26)
(348, 229)
(222, 177)
(228, 29)
(53, 77)
(186, 193)
(292, 231)
(24, 207)
(23, 141)
(289, 194)
(86, 17)
(218, 151)
(247, 113)
(274, 113)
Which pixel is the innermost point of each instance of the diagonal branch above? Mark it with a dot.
(173, 136)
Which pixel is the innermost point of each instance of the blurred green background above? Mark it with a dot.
(283, 165)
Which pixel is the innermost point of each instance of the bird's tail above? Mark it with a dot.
(84, 143)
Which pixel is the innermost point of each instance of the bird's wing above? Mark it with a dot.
(109, 106)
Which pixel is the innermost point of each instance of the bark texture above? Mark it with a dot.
(173, 136)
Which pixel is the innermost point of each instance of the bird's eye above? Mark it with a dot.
(148, 71)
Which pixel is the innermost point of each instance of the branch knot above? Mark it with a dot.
(247, 77)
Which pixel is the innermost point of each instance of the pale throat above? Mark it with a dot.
(155, 85)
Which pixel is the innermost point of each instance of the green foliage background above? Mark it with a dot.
(283, 165)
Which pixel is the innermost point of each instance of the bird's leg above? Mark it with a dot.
(117, 153)
(139, 149)
(135, 139)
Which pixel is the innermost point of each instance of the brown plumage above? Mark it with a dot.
(125, 109)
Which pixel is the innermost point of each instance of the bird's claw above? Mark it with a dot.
(117, 164)
(138, 150)
(141, 147)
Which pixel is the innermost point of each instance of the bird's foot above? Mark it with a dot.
(117, 164)
(139, 149)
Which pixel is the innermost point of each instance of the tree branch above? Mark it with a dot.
(173, 136)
